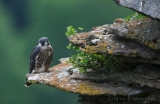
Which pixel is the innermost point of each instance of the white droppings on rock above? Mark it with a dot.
(105, 38)
(95, 40)
(47, 79)
(76, 70)
(123, 46)
(56, 69)
(89, 70)
(40, 76)
(62, 75)
(68, 84)
(92, 32)
(35, 77)
(73, 81)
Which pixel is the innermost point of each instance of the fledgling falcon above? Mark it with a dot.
(40, 57)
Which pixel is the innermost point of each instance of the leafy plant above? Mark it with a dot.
(71, 31)
(134, 16)
(85, 61)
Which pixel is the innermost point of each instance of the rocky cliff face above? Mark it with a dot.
(150, 8)
(136, 41)
(133, 41)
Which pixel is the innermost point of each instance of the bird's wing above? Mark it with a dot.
(35, 52)
(50, 57)
(40, 58)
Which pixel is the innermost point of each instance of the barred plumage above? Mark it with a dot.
(44, 59)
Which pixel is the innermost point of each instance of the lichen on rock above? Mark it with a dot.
(118, 40)
(145, 31)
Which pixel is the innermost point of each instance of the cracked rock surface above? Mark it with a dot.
(150, 8)
(126, 40)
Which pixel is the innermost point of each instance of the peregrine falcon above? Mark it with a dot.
(40, 57)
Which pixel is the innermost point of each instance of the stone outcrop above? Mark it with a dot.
(125, 40)
(122, 40)
(150, 8)
(145, 31)
(65, 77)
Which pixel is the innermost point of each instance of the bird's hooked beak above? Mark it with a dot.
(46, 43)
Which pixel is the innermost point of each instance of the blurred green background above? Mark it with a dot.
(23, 22)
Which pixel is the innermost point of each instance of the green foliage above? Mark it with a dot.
(134, 16)
(74, 47)
(71, 31)
(85, 61)
(80, 28)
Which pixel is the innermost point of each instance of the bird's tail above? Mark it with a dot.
(27, 84)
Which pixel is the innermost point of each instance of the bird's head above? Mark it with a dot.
(44, 41)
